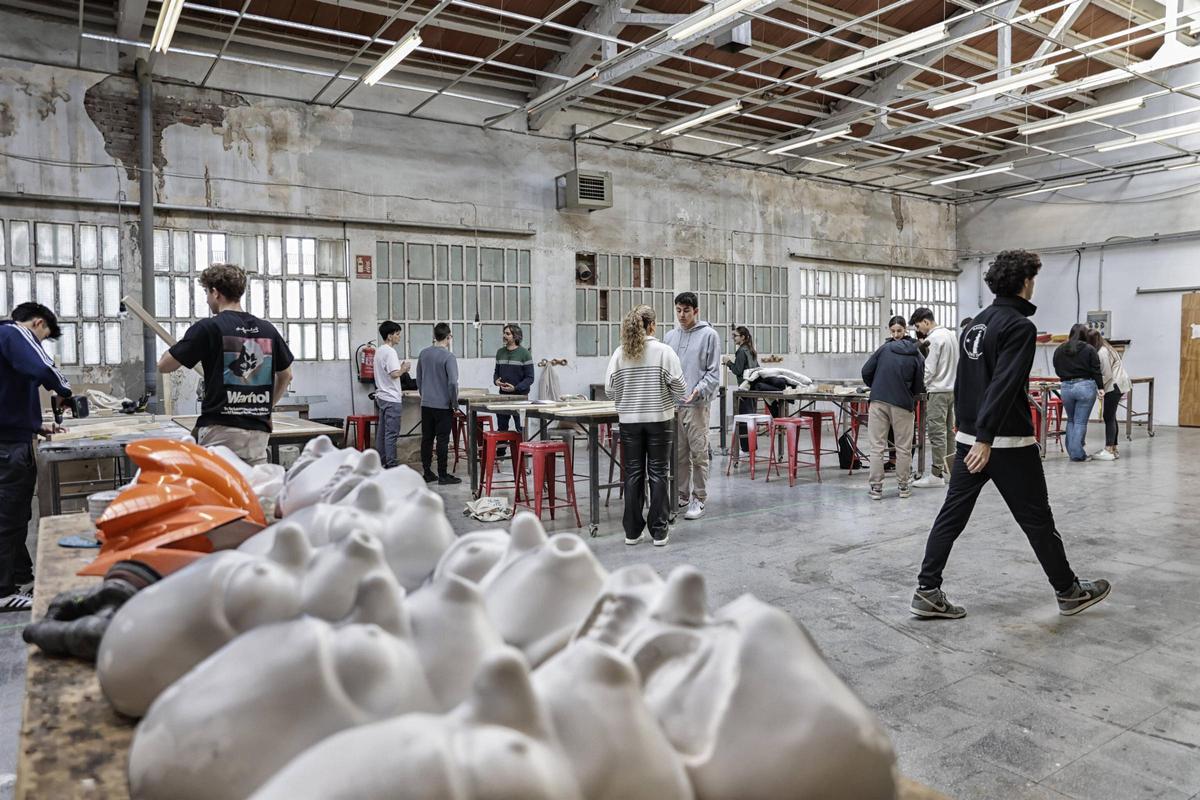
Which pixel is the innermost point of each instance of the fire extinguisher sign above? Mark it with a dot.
(362, 266)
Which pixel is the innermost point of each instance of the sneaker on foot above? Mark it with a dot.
(17, 601)
(930, 481)
(638, 540)
(695, 509)
(430, 476)
(663, 541)
(1103, 455)
(932, 603)
(684, 502)
(1082, 595)
(905, 491)
(448, 480)
(1116, 454)
(875, 492)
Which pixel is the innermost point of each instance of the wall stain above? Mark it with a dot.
(898, 212)
(45, 98)
(8, 120)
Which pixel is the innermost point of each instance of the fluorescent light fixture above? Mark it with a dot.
(1146, 138)
(559, 91)
(1045, 189)
(1189, 165)
(164, 29)
(966, 176)
(1009, 84)
(888, 50)
(701, 117)
(820, 136)
(708, 17)
(399, 51)
(1087, 115)
(824, 161)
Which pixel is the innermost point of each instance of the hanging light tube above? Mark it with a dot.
(888, 50)
(1045, 189)
(164, 29)
(821, 136)
(1010, 84)
(1147, 138)
(708, 17)
(399, 51)
(1088, 115)
(965, 176)
(701, 117)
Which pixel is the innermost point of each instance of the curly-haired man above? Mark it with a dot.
(995, 442)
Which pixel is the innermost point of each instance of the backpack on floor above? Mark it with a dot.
(849, 456)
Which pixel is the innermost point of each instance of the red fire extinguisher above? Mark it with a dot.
(365, 356)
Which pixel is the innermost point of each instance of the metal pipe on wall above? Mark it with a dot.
(146, 223)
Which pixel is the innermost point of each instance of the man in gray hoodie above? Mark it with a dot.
(699, 349)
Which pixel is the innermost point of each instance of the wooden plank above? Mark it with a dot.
(1189, 362)
(149, 321)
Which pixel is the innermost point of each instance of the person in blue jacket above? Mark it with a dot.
(24, 366)
(896, 374)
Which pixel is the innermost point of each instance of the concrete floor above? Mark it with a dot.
(1014, 701)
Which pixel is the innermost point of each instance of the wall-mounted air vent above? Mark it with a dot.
(584, 189)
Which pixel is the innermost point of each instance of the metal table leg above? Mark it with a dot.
(1149, 409)
(47, 488)
(673, 503)
(593, 477)
(472, 450)
(1044, 431)
(721, 401)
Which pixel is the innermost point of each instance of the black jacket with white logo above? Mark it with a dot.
(991, 392)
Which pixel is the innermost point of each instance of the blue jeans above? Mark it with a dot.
(1078, 396)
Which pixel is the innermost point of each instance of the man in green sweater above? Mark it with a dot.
(514, 369)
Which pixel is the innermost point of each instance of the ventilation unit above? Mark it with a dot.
(586, 189)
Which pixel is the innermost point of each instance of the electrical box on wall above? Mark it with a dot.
(583, 189)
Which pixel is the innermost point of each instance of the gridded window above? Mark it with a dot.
(312, 313)
(744, 294)
(839, 311)
(419, 284)
(52, 268)
(607, 287)
(937, 294)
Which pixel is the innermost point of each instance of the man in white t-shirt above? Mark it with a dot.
(390, 383)
(941, 366)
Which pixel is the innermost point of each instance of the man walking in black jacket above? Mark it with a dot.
(995, 442)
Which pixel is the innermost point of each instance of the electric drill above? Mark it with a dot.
(76, 404)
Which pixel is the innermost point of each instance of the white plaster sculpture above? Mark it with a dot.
(541, 589)
(170, 626)
(743, 695)
(413, 528)
(616, 748)
(498, 745)
(394, 483)
(453, 636)
(473, 555)
(324, 473)
(242, 714)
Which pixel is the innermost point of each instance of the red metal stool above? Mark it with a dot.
(543, 456)
(818, 419)
(1055, 413)
(791, 428)
(491, 440)
(362, 430)
(459, 435)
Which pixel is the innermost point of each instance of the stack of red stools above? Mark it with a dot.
(491, 443)
(543, 456)
(1055, 413)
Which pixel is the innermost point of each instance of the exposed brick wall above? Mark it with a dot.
(112, 105)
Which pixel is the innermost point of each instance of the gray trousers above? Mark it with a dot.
(387, 432)
(249, 446)
(881, 417)
(691, 452)
(939, 427)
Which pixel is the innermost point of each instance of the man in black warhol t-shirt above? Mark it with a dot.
(247, 366)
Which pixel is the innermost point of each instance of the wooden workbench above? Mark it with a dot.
(73, 745)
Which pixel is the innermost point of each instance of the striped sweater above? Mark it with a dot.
(645, 389)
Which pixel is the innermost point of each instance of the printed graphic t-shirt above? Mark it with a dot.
(240, 354)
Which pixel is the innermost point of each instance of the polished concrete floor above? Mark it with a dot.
(1013, 701)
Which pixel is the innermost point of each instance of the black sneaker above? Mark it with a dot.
(1082, 595)
(430, 476)
(932, 603)
(448, 479)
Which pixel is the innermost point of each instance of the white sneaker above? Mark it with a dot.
(1103, 455)
(930, 481)
(17, 601)
(684, 502)
(640, 538)
(695, 509)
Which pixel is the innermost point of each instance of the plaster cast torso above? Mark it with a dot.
(324, 473)
(473, 555)
(497, 745)
(225, 728)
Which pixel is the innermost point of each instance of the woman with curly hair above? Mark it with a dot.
(995, 443)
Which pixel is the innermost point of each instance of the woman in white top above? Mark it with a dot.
(645, 380)
(1116, 383)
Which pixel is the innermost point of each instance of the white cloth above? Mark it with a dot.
(387, 361)
(941, 365)
(548, 388)
(1113, 368)
(794, 378)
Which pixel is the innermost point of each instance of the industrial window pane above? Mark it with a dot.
(310, 300)
(602, 340)
(274, 255)
(443, 301)
(580, 304)
(91, 343)
(162, 248)
(413, 304)
(381, 300)
(485, 303)
(199, 298)
(328, 342)
(427, 309)
(19, 232)
(498, 303)
(3, 292)
(291, 248)
(343, 341)
(89, 247)
(381, 261)
(343, 299)
(398, 260)
(470, 265)
(3, 248)
(331, 259)
(275, 299)
(510, 303)
(442, 272)
(293, 299)
(68, 295)
(510, 266)
(523, 309)
(523, 265)
(716, 277)
(67, 344)
(456, 302)
(491, 264)
(183, 298)
(200, 240)
(420, 261)
(295, 339)
(493, 339)
(181, 329)
(218, 248)
(90, 295)
(45, 289)
(258, 298)
(585, 340)
(308, 266)
(112, 343)
(398, 301)
(458, 344)
(327, 309)
(310, 341)
(471, 303)
(456, 267)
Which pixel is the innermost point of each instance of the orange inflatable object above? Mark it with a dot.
(193, 461)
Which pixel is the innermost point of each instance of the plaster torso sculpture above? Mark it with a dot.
(743, 695)
(225, 728)
(497, 745)
(473, 555)
(617, 750)
(324, 473)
